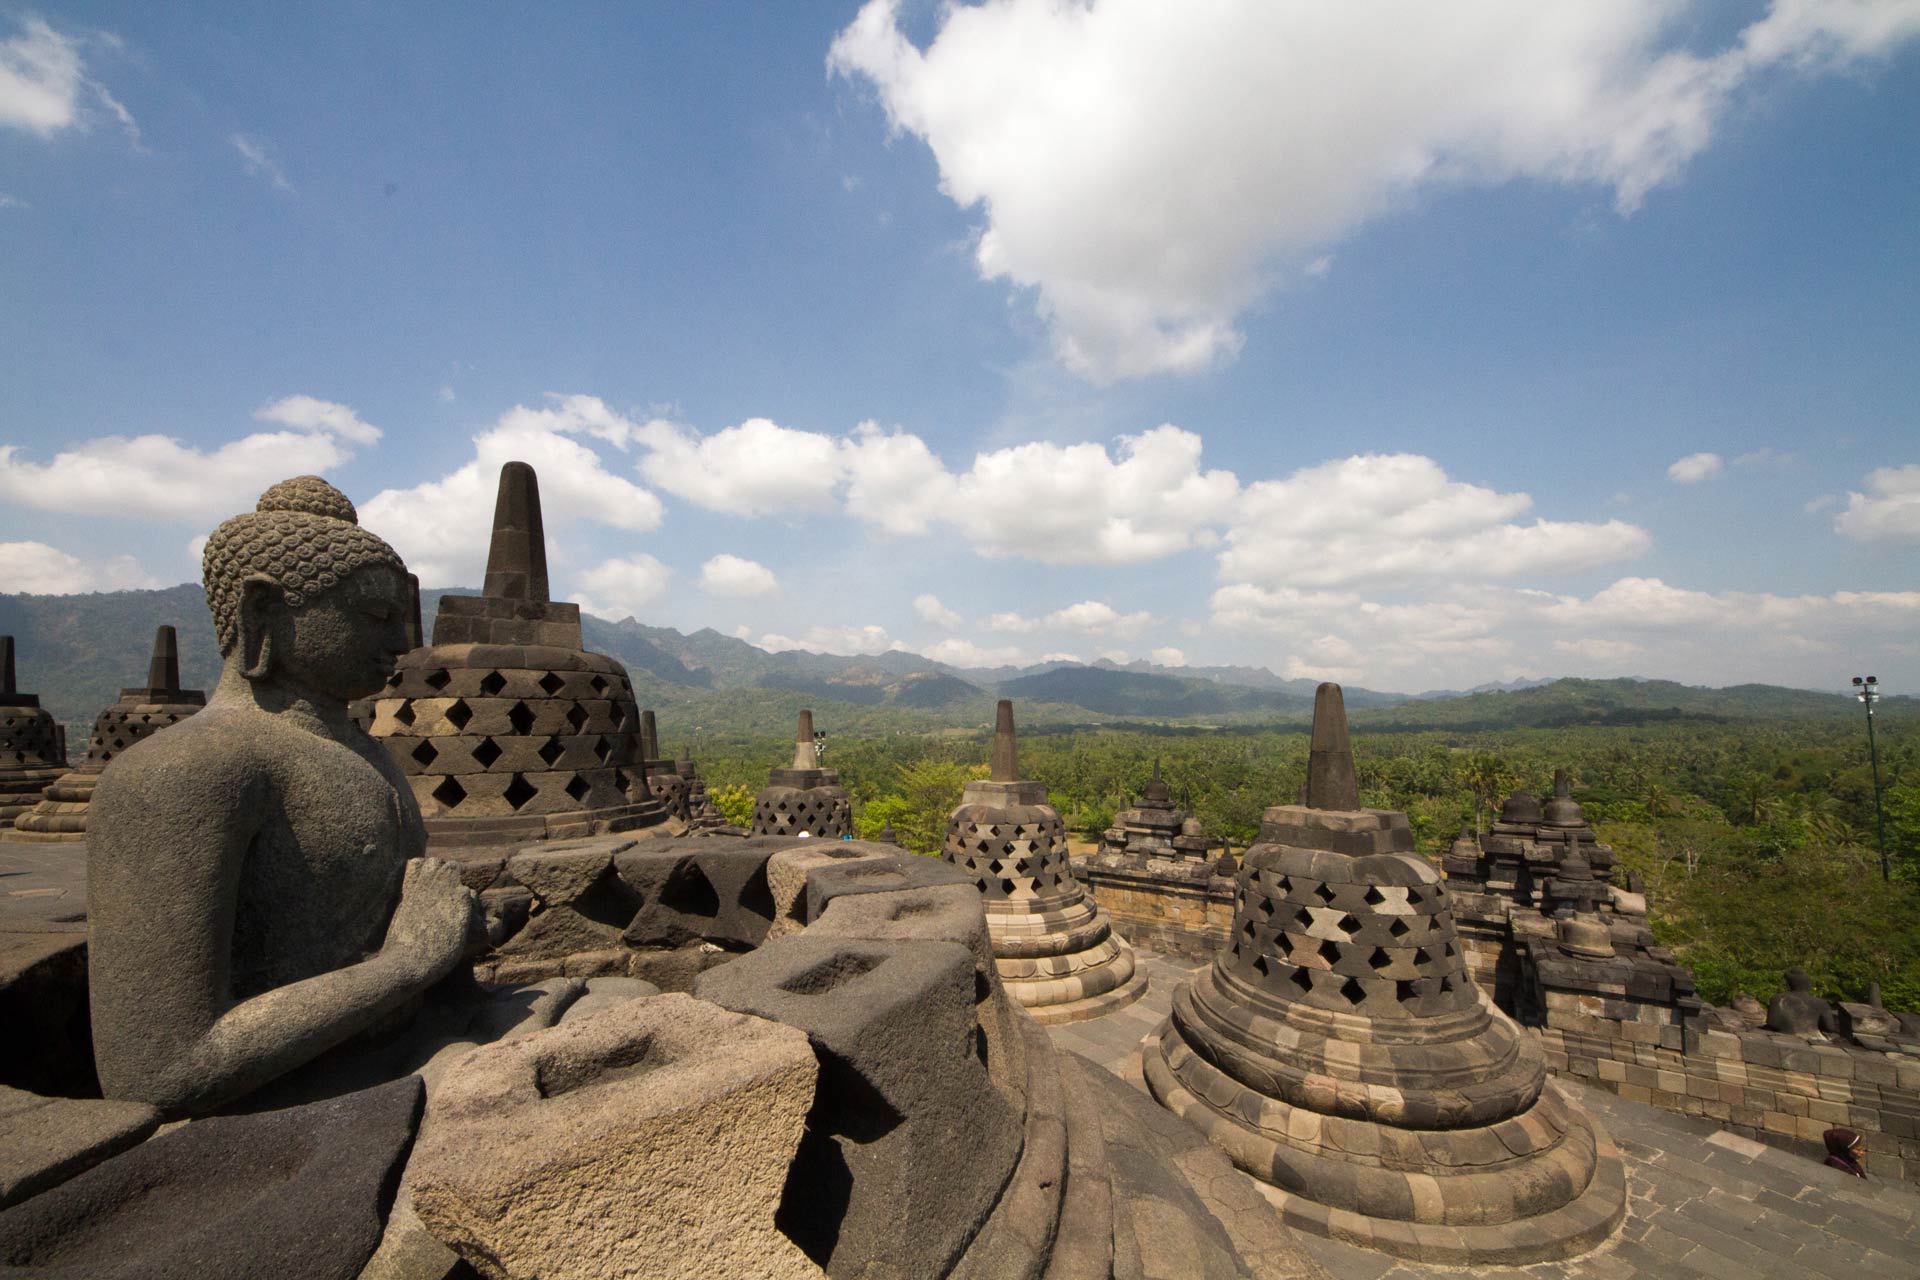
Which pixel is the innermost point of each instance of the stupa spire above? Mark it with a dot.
(1331, 782)
(517, 558)
(1006, 753)
(804, 754)
(7, 684)
(416, 633)
(163, 670)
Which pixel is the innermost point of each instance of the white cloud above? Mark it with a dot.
(1642, 626)
(753, 469)
(929, 609)
(833, 639)
(621, 587)
(160, 478)
(956, 652)
(1765, 456)
(34, 568)
(1078, 504)
(309, 414)
(1090, 617)
(736, 578)
(441, 527)
(12, 202)
(1096, 617)
(894, 481)
(44, 85)
(1149, 170)
(1169, 657)
(259, 164)
(1694, 468)
(1616, 653)
(1889, 511)
(1397, 517)
(1063, 504)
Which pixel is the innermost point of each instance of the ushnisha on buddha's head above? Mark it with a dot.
(302, 596)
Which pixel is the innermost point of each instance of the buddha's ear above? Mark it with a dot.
(262, 604)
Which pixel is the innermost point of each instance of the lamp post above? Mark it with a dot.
(1867, 689)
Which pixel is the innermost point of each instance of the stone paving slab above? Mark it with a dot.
(1701, 1201)
(41, 884)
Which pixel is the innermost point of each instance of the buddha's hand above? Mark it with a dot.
(433, 925)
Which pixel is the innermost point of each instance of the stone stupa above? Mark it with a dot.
(1054, 949)
(1339, 1053)
(140, 713)
(803, 799)
(1154, 828)
(507, 729)
(32, 754)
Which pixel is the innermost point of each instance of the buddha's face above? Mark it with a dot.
(343, 645)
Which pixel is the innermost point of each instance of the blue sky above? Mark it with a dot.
(1380, 350)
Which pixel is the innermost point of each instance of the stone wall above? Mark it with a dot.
(1190, 916)
(1778, 1089)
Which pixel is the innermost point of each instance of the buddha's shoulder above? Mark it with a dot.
(234, 743)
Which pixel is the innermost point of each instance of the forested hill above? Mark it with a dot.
(1572, 701)
(77, 652)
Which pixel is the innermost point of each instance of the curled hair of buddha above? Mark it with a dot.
(304, 537)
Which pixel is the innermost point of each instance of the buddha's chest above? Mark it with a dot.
(322, 876)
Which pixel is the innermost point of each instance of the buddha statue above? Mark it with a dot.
(255, 893)
(1797, 1011)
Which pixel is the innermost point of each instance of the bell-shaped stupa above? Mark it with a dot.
(507, 729)
(140, 713)
(1055, 950)
(1339, 1053)
(32, 754)
(803, 799)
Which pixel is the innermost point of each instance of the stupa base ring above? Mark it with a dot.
(1586, 1159)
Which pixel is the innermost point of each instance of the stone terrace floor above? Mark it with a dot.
(1701, 1201)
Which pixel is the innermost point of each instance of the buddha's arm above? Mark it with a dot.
(163, 885)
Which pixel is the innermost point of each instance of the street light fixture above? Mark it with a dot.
(1867, 690)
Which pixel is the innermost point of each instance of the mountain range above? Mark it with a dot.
(77, 651)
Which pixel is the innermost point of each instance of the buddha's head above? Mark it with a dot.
(302, 595)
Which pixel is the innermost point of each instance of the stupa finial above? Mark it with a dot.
(163, 671)
(1006, 758)
(7, 683)
(416, 633)
(805, 756)
(1331, 782)
(517, 558)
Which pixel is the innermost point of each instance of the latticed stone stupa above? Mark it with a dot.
(32, 754)
(803, 799)
(507, 728)
(1054, 949)
(1339, 1053)
(140, 713)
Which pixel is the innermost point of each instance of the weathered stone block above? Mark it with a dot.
(650, 1139)
(302, 1191)
(45, 1141)
(908, 1144)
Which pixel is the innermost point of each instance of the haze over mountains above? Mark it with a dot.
(77, 651)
